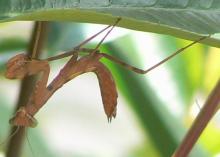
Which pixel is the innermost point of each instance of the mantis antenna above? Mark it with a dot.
(29, 143)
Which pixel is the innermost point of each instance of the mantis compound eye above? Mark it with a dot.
(16, 66)
(22, 118)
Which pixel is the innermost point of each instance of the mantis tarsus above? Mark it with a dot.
(21, 65)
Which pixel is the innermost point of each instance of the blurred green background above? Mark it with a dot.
(154, 110)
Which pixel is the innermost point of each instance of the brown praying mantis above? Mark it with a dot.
(21, 66)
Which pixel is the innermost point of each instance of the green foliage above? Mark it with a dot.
(184, 19)
(12, 44)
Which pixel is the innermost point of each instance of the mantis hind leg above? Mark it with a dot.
(140, 71)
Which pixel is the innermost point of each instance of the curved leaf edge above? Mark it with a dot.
(88, 16)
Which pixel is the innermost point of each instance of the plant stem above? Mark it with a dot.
(201, 121)
(35, 48)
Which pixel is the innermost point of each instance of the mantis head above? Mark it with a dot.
(17, 67)
(21, 65)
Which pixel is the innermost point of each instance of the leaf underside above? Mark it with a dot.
(181, 18)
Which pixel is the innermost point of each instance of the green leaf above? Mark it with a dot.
(211, 70)
(12, 44)
(181, 18)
